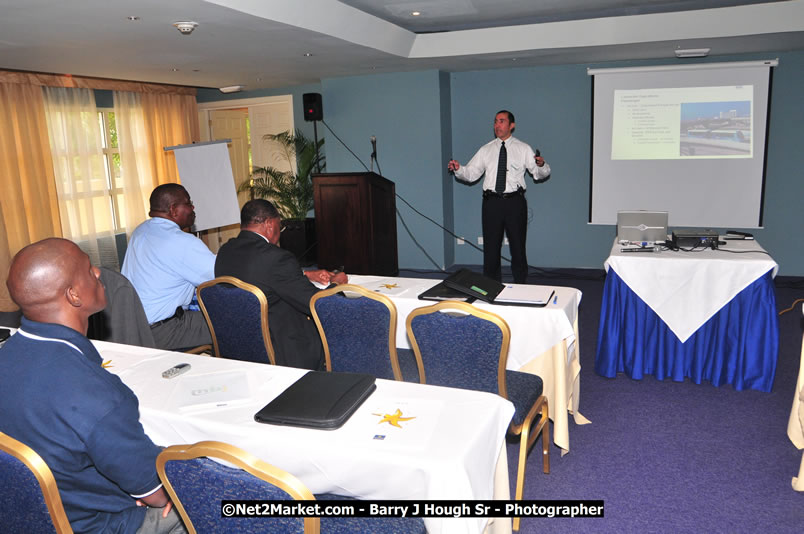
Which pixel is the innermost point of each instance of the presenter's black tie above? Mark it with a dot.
(502, 163)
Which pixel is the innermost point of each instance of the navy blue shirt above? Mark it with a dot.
(83, 421)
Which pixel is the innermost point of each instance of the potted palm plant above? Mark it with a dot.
(291, 191)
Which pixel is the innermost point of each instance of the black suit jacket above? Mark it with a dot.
(276, 271)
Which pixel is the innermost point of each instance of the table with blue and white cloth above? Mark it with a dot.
(708, 315)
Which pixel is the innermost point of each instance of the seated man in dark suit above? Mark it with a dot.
(58, 399)
(254, 257)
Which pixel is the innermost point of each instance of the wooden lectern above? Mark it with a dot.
(355, 220)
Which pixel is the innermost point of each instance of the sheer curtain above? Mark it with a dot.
(85, 205)
(137, 170)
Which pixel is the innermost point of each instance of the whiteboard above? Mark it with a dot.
(205, 170)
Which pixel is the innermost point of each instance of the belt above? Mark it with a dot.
(487, 193)
(179, 312)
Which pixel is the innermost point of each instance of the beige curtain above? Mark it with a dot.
(76, 146)
(5, 260)
(170, 120)
(146, 123)
(29, 209)
(84, 82)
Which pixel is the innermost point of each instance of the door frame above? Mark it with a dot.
(205, 107)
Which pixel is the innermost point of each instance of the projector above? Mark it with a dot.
(695, 238)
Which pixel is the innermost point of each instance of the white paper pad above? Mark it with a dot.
(525, 294)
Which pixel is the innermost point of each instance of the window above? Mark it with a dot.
(114, 178)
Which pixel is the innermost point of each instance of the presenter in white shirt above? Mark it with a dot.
(503, 161)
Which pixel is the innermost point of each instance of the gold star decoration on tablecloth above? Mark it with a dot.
(389, 286)
(107, 364)
(393, 419)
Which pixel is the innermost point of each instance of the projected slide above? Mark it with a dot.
(686, 139)
(682, 123)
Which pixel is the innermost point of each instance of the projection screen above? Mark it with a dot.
(689, 140)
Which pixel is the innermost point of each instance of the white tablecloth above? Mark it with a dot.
(453, 449)
(543, 341)
(686, 289)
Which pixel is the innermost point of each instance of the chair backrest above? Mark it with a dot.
(29, 498)
(237, 316)
(460, 346)
(123, 320)
(358, 330)
(197, 485)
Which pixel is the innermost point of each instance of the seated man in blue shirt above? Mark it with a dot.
(56, 397)
(165, 264)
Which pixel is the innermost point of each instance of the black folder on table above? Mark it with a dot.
(319, 399)
(474, 284)
(441, 291)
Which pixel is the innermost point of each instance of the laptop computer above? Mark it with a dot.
(641, 226)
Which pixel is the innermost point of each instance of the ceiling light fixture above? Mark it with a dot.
(186, 27)
(308, 54)
(692, 52)
(415, 13)
(231, 89)
(133, 18)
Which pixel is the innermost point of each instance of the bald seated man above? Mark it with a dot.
(56, 397)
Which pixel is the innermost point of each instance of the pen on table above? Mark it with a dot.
(555, 299)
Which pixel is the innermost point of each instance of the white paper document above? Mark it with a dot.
(211, 390)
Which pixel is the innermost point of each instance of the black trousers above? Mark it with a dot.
(507, 216)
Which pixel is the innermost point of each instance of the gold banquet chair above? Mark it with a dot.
(29, 498)
(358, 331)
(237, 316)
(197, 485)
(465, 347)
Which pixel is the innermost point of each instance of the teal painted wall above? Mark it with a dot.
(421, 119)
(553, 112)
(552, 107)
(404, 111)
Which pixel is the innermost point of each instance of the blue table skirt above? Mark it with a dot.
(738, 345)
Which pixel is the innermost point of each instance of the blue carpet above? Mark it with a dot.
(674, 456)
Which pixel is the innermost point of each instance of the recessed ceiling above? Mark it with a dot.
(454, 15)
(289, 42)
